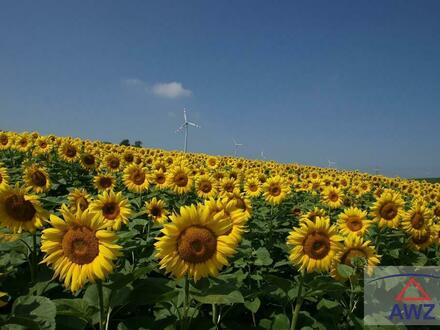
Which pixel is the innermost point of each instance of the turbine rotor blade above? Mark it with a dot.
(180, 128)
(184, 114)
(192, 124)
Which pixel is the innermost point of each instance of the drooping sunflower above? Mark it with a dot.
(158, 179)
(313, 214)
(388, 209)
(275, 189)
(422, 242)
(113, 209)
(252, 187)
(416, 221)
(37, 178)
(333, 197)
(353, 221)
(4, 177)
(354, 247)
(206, 187)
(19, 210)
(314, 245)
(156, 209)
(79, 198)
(194, 243)
(79, 248)
(179, 179)
(3, 299)
(103, 182)
(135, 178)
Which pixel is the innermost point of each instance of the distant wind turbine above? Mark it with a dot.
(331, 163)
(376, 170)
(236, 145)
(184, 126)
(262, 155)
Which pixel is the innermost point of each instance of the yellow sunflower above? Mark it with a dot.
(353, 221)
(206, 187)
(179, 179)
(421, 243)
(416, 221)
(5, 141)
(79, 198)
(333, 197)
(37, 178)
(315, 244)
(212, 162)
(20, 211)
(113, 208)
(88, 160)
(79, 248)
(252, 187)
(156, 209)
(158, 179)
(388, 209)
(69, 151)
(354, 247)
(275, 189)
(42, 146)
(194, 243)
(103, 182)
(228, 186)
(135, 178)
(4, 177)
(112, 162)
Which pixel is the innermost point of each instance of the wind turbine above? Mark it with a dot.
(184, 126)
(331, 163)
(236, 145)
(376, 170)
(262, 155)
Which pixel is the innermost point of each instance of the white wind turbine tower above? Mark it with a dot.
(184, 126)
(331, 163)
(262, 155)
(236, 145)
(376, 170)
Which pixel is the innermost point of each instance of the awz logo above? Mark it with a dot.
(412, 311)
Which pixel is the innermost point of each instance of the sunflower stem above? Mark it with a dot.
(34, 257)
(214, 314)
(299, 301)
(186, 302)
(101, 305)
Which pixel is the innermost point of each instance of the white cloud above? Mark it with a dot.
(170, 90)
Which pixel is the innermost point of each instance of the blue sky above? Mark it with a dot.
(356, 82)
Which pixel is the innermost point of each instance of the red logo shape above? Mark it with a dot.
(412, 281)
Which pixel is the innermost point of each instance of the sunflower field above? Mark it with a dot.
(102, 236)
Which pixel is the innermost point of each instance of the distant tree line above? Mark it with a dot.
(126, 142)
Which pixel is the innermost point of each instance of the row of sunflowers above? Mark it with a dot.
(98, 235)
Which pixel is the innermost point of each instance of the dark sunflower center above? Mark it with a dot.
(296, 211)
(89, 159)
(333, 196)
(19, 209)
(43, 145)
(80, 245)
(38, 178)
(196, 244)
(160, 178)
(417, 220)
(128, 158)
(111, 210)
(388, 211)
(351, 254)
(274, 190)
(253, 187)
(316, 245)
(1, 178)
(138, 177)
(181, 179)
(4, 140)
(70, 151)
(437, 211)
(205, 187)
(354, 223)
(105, 182)
(156, 211)
(113, 162)
(420, 239)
